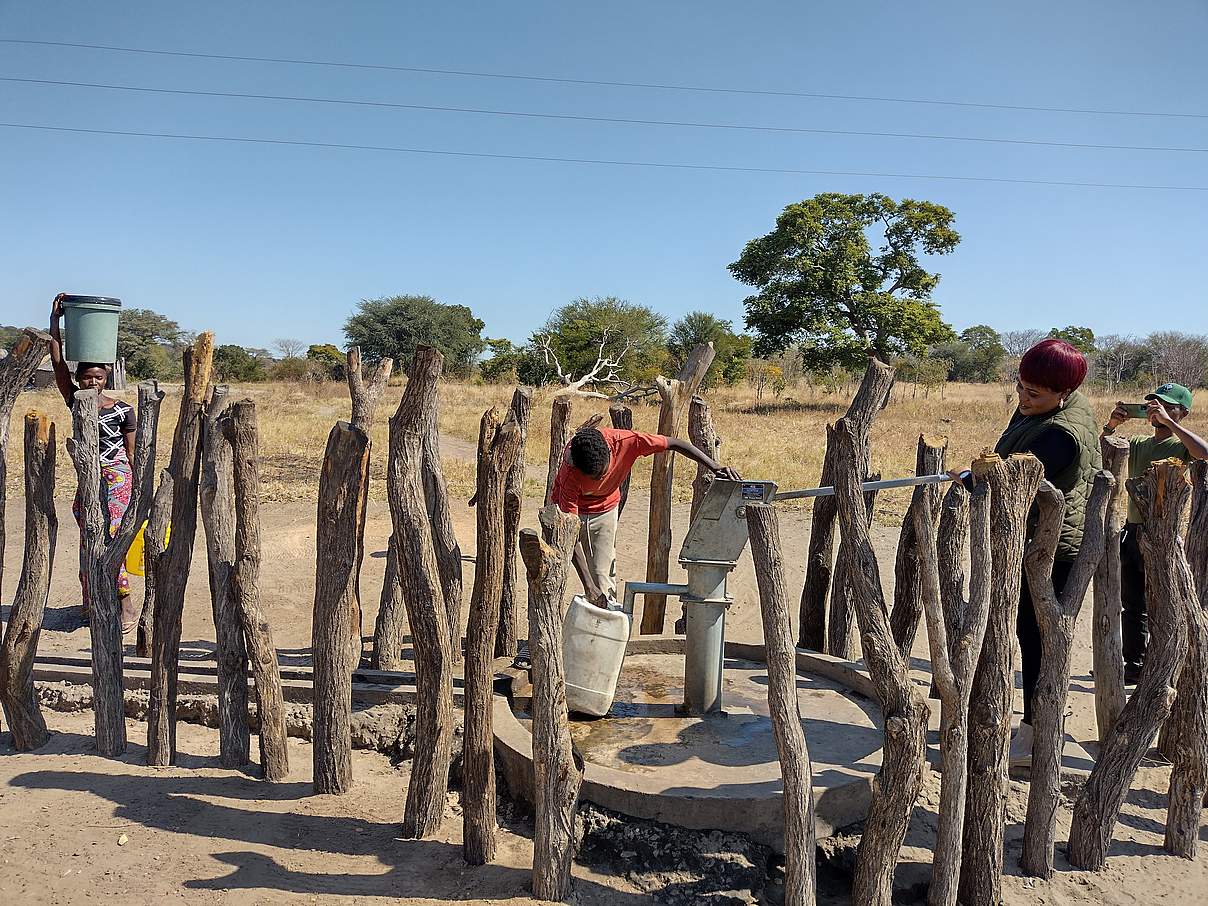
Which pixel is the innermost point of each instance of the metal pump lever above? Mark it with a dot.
(826, 491)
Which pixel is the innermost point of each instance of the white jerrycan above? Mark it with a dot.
(593, 649)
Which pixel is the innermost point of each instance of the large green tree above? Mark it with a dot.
(841, 275)
(975, 358)
(1081, 338)
(581, 332)
(235, 363)
(732, 350)
(393, 326)
(152, 344)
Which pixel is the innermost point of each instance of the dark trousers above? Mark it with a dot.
(1027, 629)
(1135, 619)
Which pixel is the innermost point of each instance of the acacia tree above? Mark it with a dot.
(822, 284)
(392, 327)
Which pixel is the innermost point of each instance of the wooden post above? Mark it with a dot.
(559, 437)
(621, 417)
(508, 638)
(20, 645)
(1106, 639)
(240, 428)
(1013, 484)
(907, 587)
(337, 567)
(153, 549)
(1188, 722)
(956, 629)
(103, 555)
(674, 396)
(423, 596)
(444, 540)
(556, 774)
(388, 629)
(217, 492)
(1057, 618)
(703, 434)
(841, 635)
(172, 568)
(498, 446)
(16, 370)
(869, 399)
(800, 870)
(1162, 495)
(897, 783)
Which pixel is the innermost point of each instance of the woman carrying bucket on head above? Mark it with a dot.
(117, 426)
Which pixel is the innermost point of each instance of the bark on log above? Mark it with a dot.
(444, 539)
(559, 437)
(1013, 484)
(1107, 642)
(419, 578)
(1057, 618)
(172, 568)
(16, 370)
(1162, 495)
(800, 869)
(703, 434)
(622, 417)
(388, 629)
(240, 428)
(897, 783)
(342, 485)
(841, 632)
(153, 549)
(102, 555)
(870, 399)
(508, 637)
(956, 629)
(498, 445)
(20, 644)
(556, 774)
(674, 396)
(217, 492)
(907, 588)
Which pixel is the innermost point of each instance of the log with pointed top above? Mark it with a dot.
(513, 500)
(1107, 642)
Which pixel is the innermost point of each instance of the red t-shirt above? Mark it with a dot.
(575, 492)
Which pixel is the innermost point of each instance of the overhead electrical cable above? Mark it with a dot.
(481, 111)
(613, 84)
(722, 168)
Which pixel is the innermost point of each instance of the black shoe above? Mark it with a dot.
(1132, 674)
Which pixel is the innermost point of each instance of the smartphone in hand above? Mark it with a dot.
(1136, 410)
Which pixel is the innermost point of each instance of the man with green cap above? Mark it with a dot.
(1168, 406)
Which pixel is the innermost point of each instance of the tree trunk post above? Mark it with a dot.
(240, 428)
(172, 568)
(337, 566)
(20, 644)
(217, 493)
(153, 549)
(800, 870)
(841, 633)
(1013, 484)
(621, 417)
(1162, 495)
(1106, 639)
(703, 434)
(559, 437)
(1057, 618)
(498, 446)
(420, 581)
(556, 774)
(388, 629)
(508, 638)
(674, 396)
(448, 551)
(907, 587)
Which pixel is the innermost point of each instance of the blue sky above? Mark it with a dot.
(258, 242)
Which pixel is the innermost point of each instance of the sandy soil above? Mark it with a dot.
(203, 834)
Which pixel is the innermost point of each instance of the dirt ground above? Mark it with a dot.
(79, 828)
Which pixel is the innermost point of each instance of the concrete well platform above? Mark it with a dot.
(721, 771)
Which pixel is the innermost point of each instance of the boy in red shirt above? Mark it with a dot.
(594, 465)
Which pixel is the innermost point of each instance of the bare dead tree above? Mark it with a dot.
(498, 446)
(153, 548)
(621, 417)
(1107, 642)
(1013, 484)
(800, 869)
(907, 587)
(342, 485)
(513, 501)
(559, 437)
(556, 774)
(1057, 617)
(605, 372)
(103, 555)
(1162, 495)
(172, 568)
(444, 539)
(674, 396)
(20, 644)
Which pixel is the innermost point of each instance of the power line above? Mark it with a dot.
(597, 161)
(482, 111)
(610, 84)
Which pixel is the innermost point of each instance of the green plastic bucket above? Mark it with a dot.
(91, 325)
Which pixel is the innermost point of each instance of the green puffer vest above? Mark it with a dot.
(1077, 419)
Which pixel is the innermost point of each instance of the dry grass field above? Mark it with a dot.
(779, 439)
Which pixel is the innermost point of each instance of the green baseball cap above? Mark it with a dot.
(1175, 394)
